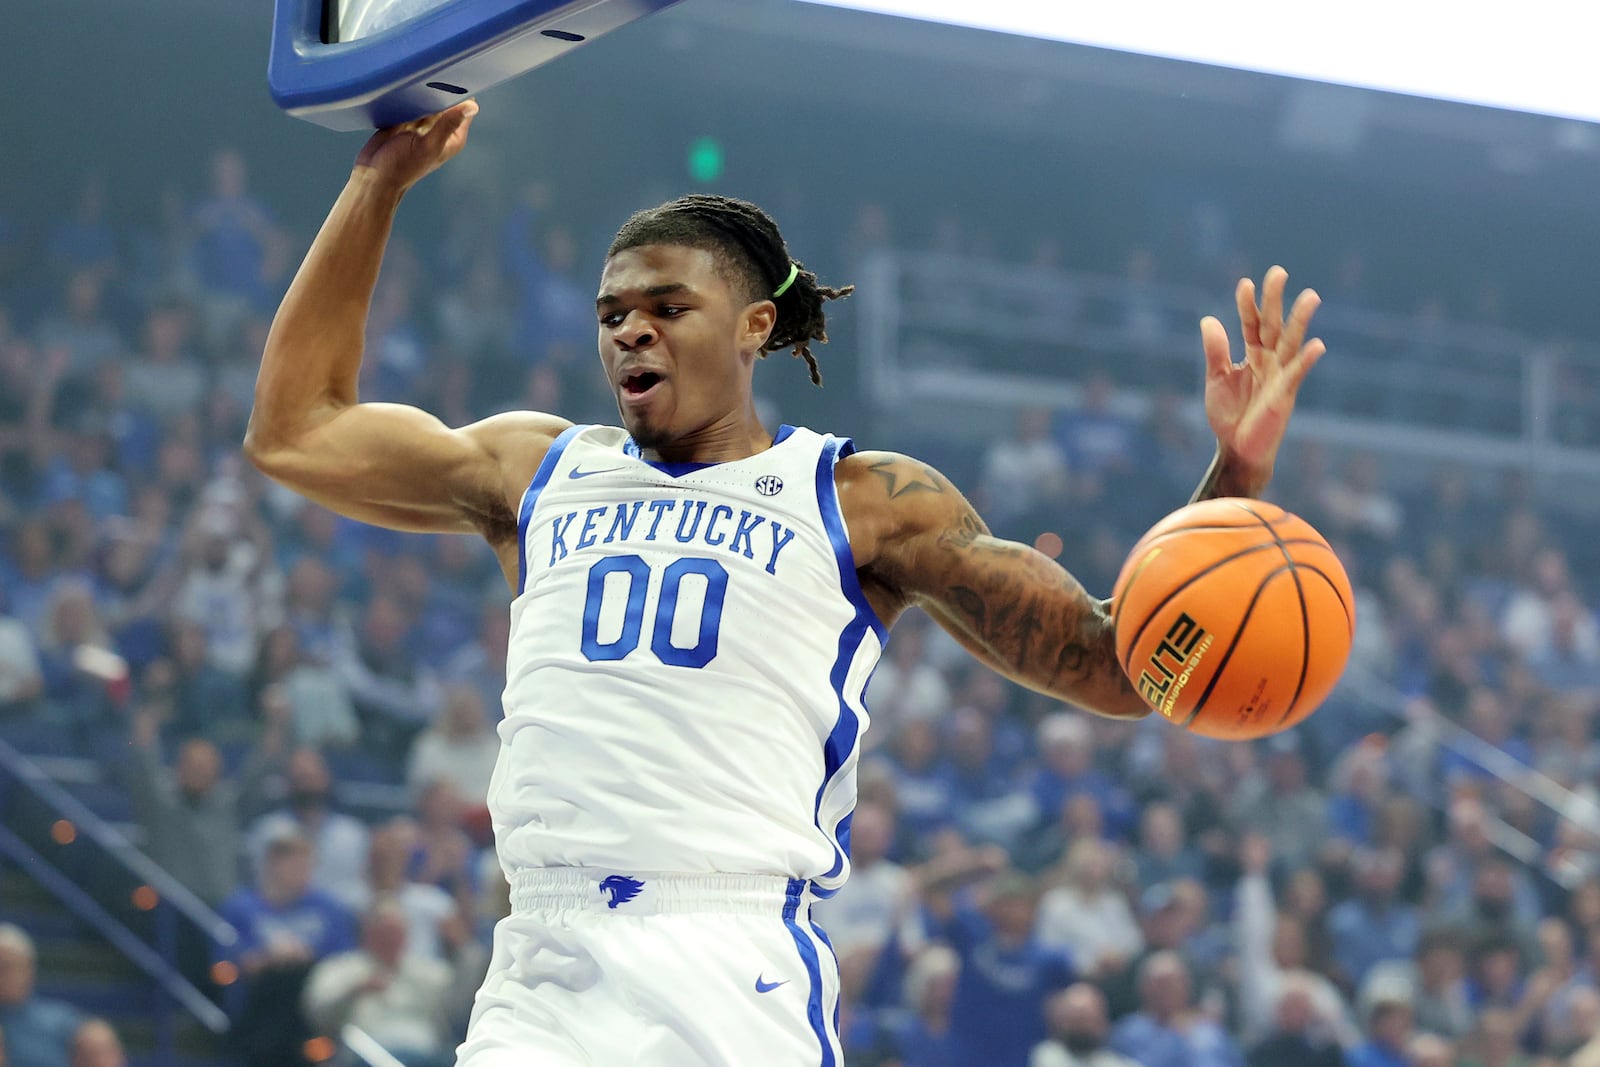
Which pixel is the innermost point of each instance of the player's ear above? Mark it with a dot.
(756, 325)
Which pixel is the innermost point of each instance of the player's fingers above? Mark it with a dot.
(1249, 318)
(1304, 361)
(1294, 332)
(1214, 340)
(457, 118)
(1272, 305)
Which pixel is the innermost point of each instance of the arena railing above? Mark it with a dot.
(974, 333)
(1439, 734)
(362, 1049)
(92, 870)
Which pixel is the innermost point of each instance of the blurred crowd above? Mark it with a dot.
(1412, 877)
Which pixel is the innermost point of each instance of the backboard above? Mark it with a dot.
(363, 64)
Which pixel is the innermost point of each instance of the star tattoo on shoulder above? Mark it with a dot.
(902, 476)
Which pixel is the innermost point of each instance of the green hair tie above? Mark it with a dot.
(794, 272)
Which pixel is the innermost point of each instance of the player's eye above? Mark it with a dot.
(672, 311)
(613, 320)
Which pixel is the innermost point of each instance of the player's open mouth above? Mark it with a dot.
(638, 386)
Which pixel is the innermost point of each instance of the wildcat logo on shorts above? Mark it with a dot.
(1173, 663)
(769, 485)
(620, 889)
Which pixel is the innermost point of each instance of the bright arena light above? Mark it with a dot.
(1535, 55)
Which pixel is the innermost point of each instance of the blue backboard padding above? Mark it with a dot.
(469, 44)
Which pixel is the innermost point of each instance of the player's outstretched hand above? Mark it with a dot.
(1248, 404)
(409, 152)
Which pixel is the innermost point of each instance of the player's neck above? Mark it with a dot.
(723, 441)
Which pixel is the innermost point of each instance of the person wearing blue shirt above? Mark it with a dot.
(38, 1031)
(284, 927)
(1006, 974)
(1373, 926)
(1166, 1031)
(1388, 1029)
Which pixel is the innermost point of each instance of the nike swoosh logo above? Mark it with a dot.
(767, 987)
(576, 473)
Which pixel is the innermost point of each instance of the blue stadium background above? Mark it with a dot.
(198, 670)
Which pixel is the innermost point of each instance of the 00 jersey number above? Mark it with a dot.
(702, 652)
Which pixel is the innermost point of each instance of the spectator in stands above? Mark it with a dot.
(989, 805)
(410, 1003)
(309, 607)
(1357, 791)
(315, 698)
(906, 684)
(460, 747)
(1298, 1035)
(1494, 1041)
(21, 679)
(1163, 853)
(923, 793)
(1067, 749)
(31, 572)
(1357, 507)
(79, 325)
(1096, 438)
(444, 855)
(205, 699)
(1430, 1050)
(95, 1044)
(1374, 925)
(38, 1031)
(191, 815)
(427, 908)
(1006, 974)
(394, 695)
(285, 926)
(162, 380)
(1441, 1002)
(239, 249)
(924, 1036)
(1272, 957)
(1282, 804)
(227, 584)
(1024, 480)
(339, 840)
(1087, 915)
(1453, 868)
(1566, 664)
(1389, 1029)
(1490, 720)
(482, 664)
(1167, 1031)
(1076, 1019)
(1580, 1030)
(860, 918)
(1529, 621)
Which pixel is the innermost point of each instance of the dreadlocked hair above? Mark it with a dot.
(753, 256)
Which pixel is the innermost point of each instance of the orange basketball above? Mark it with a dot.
(1233, 618)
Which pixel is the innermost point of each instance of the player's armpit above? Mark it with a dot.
(400, 467)
(1012, 607)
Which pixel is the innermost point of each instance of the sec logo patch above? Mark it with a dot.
(769, 485)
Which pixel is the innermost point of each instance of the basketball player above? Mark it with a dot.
(699, 604)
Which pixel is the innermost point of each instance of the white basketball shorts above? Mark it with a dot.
(605, 969)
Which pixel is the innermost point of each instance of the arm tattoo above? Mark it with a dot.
(1224, 478)
(1028, 618)
(902, 476)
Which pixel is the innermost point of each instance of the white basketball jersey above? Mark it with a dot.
(687, 660)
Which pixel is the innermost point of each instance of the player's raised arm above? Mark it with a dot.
(386, 464)
(918, 541)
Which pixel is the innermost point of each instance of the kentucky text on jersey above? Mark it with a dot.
(684, 521)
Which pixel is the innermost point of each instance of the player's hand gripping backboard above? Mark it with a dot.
(405, 154)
